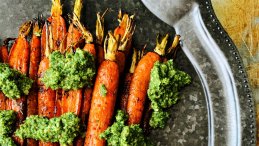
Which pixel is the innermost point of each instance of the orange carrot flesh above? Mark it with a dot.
(19, 59)
(74, 37)
(35, 53)
(139, 86)
(46, 97)
(102, 107)
(59, 32)
(32, 99)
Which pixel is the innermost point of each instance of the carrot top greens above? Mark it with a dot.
(13, 83)
(164, 86)
(72, 71)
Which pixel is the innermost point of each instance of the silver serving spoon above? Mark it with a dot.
(224, 124)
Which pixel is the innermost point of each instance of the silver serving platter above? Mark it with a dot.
(192, 121)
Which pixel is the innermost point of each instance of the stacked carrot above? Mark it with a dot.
(95, 106)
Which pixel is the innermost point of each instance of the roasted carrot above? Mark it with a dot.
(4, 52)
(127, 80)
(123, 34)
(140, 82)
(104, 95)
(72, 101)
(148, 110)
(74, 35)
(3, 58)
(99, 37)
(58, 25)
(19, 60)
(35, 53)
(46, 96)
(78, 101)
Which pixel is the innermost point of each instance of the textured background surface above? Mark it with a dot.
(188, 125)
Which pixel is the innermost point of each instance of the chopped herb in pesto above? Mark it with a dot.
(61, 129)
(121, 135)
(6, 141)
(72, 71)
(164, 86)
(103, 90)
(7, 120)
(12, 83)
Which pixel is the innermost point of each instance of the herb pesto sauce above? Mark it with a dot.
(121, 135)
(63, 129)
(13, 83)
(164, 86)
(70, 71)
(7, 120)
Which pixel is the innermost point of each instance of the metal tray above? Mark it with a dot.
(189, 121)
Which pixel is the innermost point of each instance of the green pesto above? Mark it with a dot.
(121, 135)
(12, 83)
(164, 86)
(70, 71)
(103, 90)
(6, 141)
(7, 120)
(63, 129)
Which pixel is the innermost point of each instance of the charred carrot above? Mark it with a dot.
(74, 36)
(104, 95)
(124, 33)
(78, 101)
(19, 60)
(126, 84)
(58, 25)
(140, 82)
(3, 58)
(46, 96)
(99, 37)
(4, 51)
(35, 53)
(72, 101)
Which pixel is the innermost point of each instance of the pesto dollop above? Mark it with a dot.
(121, 135)
(7, 120)
(70, 71)
(13, 83)
(164, 86)
(63, 129)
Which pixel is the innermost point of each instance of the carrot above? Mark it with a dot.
(19, 60)
(148, 110)
(4, 52)
(140, 81)
(76, 101)
(3, 58)
(58, 25)
(99, 37)
(124, 33)
(72, 101)
(35, 53)
(128, 77)
(46, 96)
(74, 36)
(104, 95)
